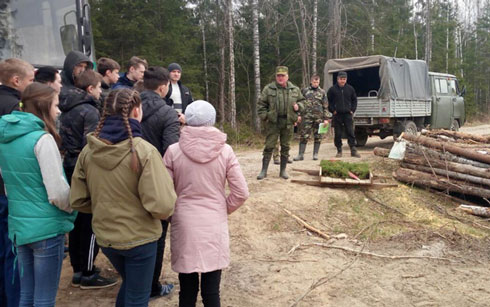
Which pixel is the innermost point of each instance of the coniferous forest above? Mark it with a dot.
(229, 49)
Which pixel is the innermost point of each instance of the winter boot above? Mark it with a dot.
(354, 153)
(276, 160)
(302, 147)
(339, 153)
(284, 163)
(316, 148)
(265, 165)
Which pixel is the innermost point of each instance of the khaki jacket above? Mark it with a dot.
(126, 207)
(275, 100)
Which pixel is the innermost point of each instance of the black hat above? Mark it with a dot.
(174, 66)
(342, 74)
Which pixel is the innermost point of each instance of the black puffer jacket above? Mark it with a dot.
(160, 122)
(79, 117)
(185, 94)
(72, 59)
(9, 101)
(342, 99)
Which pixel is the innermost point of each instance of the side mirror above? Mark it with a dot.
(87, 30)
(69, 38)
(463, 91)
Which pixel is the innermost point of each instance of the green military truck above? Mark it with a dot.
(398, 95)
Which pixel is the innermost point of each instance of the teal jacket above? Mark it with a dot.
(31, 217)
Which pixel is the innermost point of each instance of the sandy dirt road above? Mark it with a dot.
(275, 262)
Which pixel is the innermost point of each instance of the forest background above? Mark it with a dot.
(229, 48)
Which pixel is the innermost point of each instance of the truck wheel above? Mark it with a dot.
(361, 138)
(410, 127)
(454, 125)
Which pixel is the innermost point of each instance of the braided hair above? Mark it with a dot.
(121, 102)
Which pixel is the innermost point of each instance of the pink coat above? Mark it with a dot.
(200, 164)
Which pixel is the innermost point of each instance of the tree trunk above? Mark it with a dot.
(425, 180)
(302, 39)
(256, 55)
(231, 41)
(429, 142)
(314, 37)
(428, 34)
(205, 60)
(446, 165)
(415, 31)
(459, 135)
(446, 156)
(446, 173)
(221, 83)
(334, 33)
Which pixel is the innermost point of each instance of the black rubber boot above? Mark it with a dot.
(339, 153)
(316, 148)
(354, 153)
(265, 165)
(301, 153)
(284, 163)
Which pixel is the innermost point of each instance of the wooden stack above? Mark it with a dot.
(446, 160)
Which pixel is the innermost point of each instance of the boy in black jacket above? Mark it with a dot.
(342, 103)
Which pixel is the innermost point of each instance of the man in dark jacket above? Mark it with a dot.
(75, 63)
(160, 125)
(136, 68)
(178, 96)
(15, 76)
(109, 69)
(80, 115)
(342, 103)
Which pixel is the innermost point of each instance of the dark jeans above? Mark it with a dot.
(40, 263)
(189, 286)
(9, 275)
(341, 120)
(155, 284)
(136, 267)
(82, 247)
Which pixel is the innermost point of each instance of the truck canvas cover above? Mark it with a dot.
(399, 78)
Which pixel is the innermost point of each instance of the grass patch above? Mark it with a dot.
(341, 169)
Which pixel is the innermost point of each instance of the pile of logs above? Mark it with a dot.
(446, 160)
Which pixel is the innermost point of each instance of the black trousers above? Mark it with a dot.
(155, 284)
(82, 247)
(189, 286)
(341, 120)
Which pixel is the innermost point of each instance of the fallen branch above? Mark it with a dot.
(306, 225)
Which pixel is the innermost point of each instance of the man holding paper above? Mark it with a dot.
(314, 115)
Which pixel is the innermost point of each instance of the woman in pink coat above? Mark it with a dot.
(200, 164)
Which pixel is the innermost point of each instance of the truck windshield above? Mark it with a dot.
(40, 32)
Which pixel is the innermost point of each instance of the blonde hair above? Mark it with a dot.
(14, 67)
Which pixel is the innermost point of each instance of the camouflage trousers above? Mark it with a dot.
(280, 131)
(307, 128)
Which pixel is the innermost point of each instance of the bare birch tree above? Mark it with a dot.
(256, 55)
(428, 34)
(334, 29)
(314, 37)
(231, 49)
(221, 78)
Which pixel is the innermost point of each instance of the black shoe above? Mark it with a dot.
(354, 153)
(96, 281)
(76, 279)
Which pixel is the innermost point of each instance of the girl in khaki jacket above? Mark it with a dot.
(121, 179)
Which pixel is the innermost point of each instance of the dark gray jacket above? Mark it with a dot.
(342, 99)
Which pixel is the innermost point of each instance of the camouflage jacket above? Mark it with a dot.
(278, 101)
(316, 104)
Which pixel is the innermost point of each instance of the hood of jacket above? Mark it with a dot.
(151, 102)
(72, 59)
(77, 96)
(17, 124)
(201, 144)
(108, 156)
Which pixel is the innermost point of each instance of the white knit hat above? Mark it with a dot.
(200, 113)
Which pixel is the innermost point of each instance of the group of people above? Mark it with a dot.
(283, 105)
(111, 160)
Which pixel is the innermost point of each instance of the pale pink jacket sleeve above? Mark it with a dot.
(236, 181)
(167, 160)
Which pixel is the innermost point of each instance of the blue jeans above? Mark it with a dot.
(9, 275)
(136, 267)
(40, 268)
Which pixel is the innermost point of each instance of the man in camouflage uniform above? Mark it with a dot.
(315, 112)
(279, 106)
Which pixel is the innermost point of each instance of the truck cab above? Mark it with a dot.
(447, 102)
(43, 32)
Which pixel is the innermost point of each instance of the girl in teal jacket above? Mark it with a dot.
(37, 192)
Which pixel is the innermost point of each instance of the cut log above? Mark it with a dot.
(446, 156)
(425, 180)
(458, 135)
(381, 152)
(451, 166)
(429, 142)
(445, 173)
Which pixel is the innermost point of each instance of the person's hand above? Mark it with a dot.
(299, 119)
(325, 122)
(334, 112)
(182, 118)
(295, 107)
(351, 112)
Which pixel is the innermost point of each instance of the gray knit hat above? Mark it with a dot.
(174, 66)
(200, 113)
